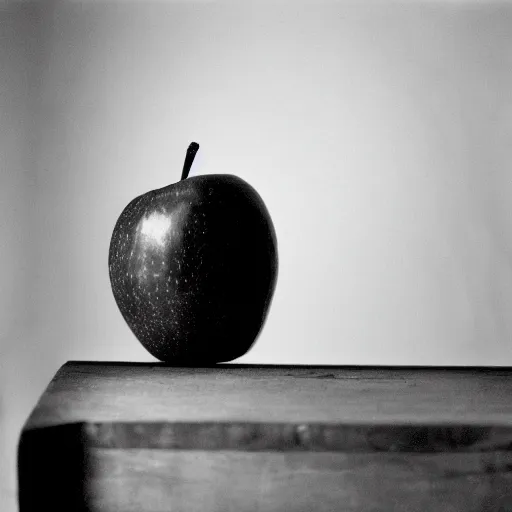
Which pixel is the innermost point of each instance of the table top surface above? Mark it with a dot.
(107, 392)
(134, 405)
(446, 432)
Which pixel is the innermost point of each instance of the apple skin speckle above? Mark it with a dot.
(193, 268)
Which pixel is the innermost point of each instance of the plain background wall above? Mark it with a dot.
(24, 361)
(377, 134)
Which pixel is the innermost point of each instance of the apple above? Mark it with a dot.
(193, 267)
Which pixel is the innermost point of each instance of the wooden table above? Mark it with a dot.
(108, 437)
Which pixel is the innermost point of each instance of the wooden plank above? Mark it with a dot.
(148, 480)
(284, 437)
(131, 481)
(234, 436)
(110, 392)
(153, 438)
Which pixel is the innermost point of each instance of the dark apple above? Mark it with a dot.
(193, 267)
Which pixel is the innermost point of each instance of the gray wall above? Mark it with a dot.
(378, 135)
(25, 363)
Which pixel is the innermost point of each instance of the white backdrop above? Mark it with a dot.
(378, 134)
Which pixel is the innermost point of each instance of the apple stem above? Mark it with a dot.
(189, 158)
